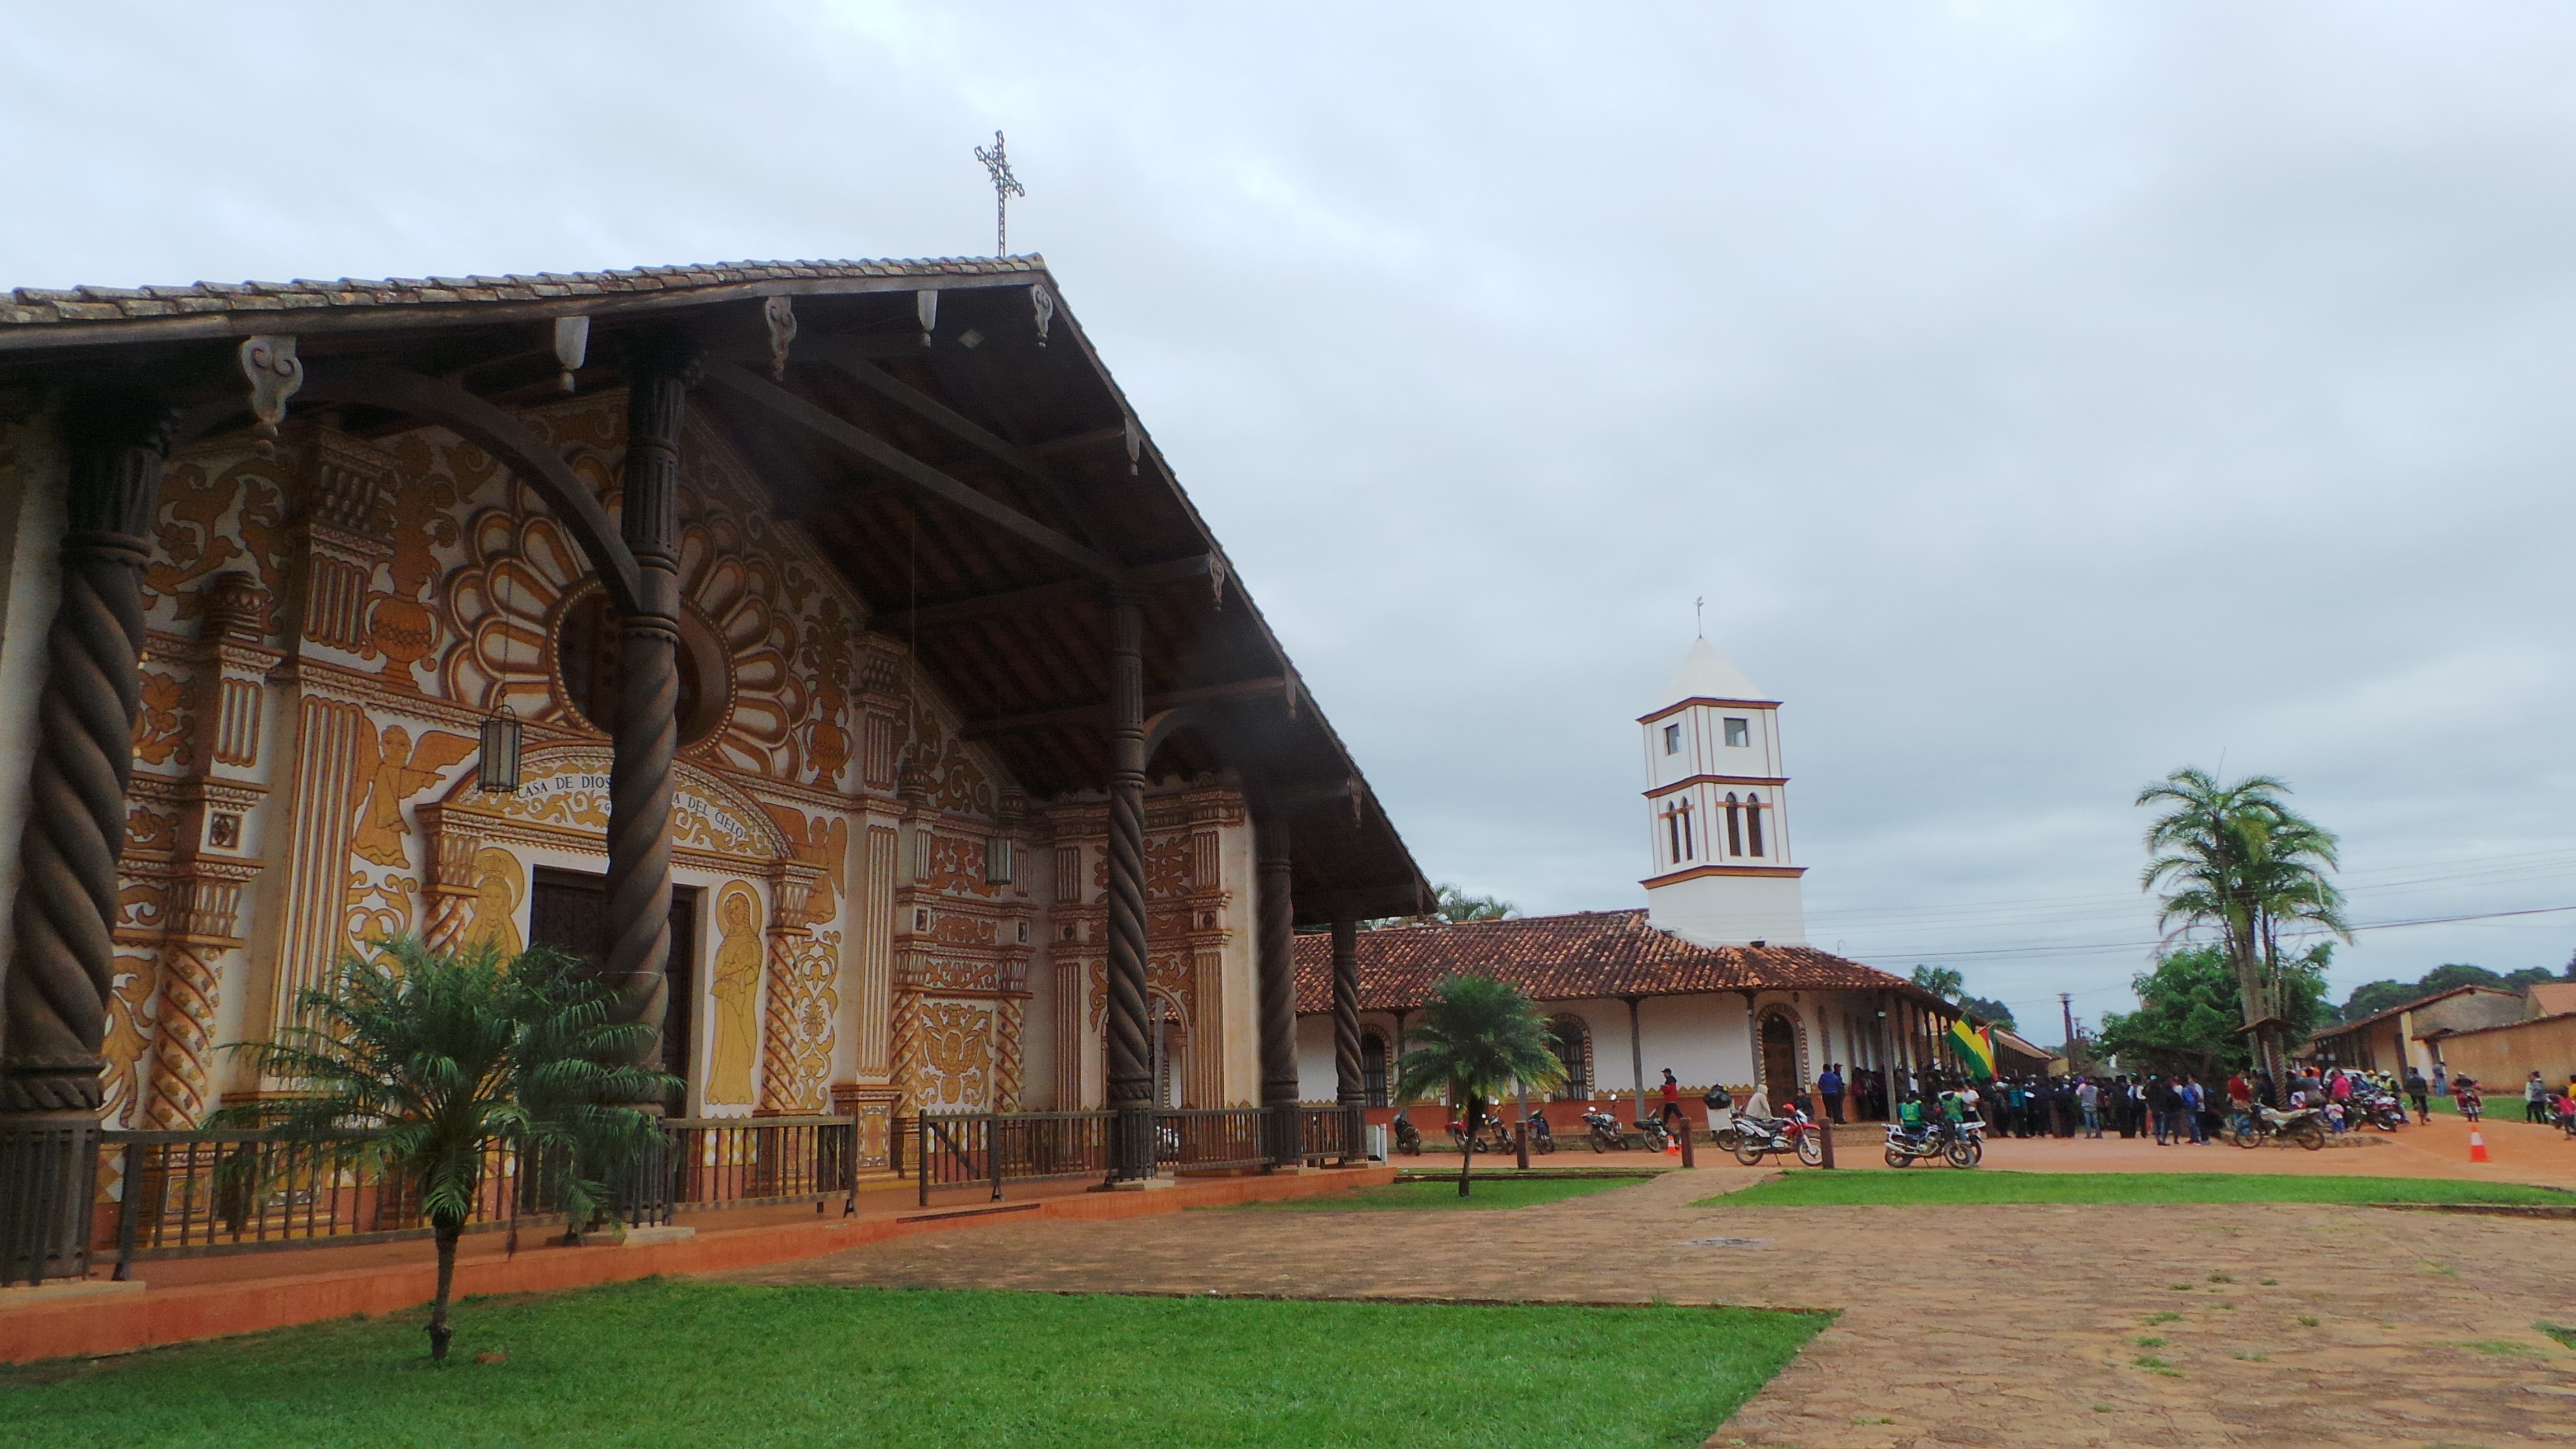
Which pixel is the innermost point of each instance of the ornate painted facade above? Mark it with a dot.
(331, 624)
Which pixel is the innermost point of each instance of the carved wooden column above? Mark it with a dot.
(1130, 1069)
(1350, 1082)
(58, 980)
(646, 736)
(1275, 940)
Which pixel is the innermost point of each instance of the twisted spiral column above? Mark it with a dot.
(61, 972)
(782, 1088)
(1130, 1063)
(184, 1040)
(1350, 1082)
(645, 739)
(1010, 1057)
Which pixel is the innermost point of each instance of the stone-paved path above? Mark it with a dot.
(2001, 1326)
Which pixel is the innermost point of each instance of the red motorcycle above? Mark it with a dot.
(1759, 1137)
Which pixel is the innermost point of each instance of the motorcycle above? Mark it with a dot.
(1758, 1137)
(2382, 1111)
(1935, 1141)
(1489, 1138)
(1408, 1138)
(2300, 1126)
(1607, 1135)
(1542, 1138)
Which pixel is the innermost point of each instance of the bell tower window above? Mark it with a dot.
(1734, 827)
(1677, 831)
(1673, 738)
(1739, 733)
(1753, 821)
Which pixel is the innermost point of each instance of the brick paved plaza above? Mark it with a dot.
(2000, 1326)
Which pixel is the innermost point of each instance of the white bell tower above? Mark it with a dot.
(1717, 811)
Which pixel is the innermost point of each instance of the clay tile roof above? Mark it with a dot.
(1571, 958)
(38, 306)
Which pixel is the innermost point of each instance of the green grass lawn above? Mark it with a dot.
(1482, 1192)
(691, 1365)
(1868, 1188)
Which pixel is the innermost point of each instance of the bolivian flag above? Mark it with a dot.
(1976, 1048)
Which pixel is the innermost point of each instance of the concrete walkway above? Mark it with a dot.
(1990, 1326)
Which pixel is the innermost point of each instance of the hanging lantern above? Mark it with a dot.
(497, 772)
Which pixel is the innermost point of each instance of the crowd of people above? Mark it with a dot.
(2174, 1109)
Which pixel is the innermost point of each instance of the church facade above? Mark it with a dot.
(823, 651)
(1713, 979)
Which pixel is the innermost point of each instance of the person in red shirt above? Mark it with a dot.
(1671, 1116)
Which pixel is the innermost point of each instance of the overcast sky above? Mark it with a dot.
(2043, 396)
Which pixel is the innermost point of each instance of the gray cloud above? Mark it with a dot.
(2043, 396)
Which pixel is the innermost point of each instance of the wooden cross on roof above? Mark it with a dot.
(997, 164)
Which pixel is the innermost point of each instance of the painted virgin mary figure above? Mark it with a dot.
(736, 988)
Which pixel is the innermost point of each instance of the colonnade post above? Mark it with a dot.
(1637, 1052)
(1130, 1071)
(644, 741)
(1276, 939)
(1350, 1081)
(59, 975)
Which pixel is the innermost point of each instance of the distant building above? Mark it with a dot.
(2393, 1040)
(1713, 979)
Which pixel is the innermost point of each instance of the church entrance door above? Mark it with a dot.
(1779, 1058)
(568, 910)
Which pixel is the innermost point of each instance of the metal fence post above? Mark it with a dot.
(127, 1212)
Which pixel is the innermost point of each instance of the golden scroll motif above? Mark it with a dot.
(957, 1054)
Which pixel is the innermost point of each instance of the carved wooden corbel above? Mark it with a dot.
(779, 315)
(925, 307)
(274, 373)
(1042, 302)
(572, 347)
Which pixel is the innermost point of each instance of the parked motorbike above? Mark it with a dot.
(1759, 1137)
(1657, 1139)
(2300, 1126)
(1934, 1141)
(1490, 1138)
(1408, 1138)
(1542, 1138)
(1606, 1133)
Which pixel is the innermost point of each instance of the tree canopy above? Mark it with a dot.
(2373, 997)
(2189, 1016)
(2236, 859)
(1946, 982)
(1453, 905)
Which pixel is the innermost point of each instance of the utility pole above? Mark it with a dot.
(2066, 1008)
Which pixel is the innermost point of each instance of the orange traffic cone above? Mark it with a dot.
(2477, 1145)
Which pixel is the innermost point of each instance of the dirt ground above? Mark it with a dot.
(2001, 1326)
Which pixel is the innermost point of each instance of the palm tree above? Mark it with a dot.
(1474, 1036)
(2236, 858)
(417, 1062)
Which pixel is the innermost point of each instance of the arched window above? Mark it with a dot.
(1690, 851)
(1734, 827)
(1753, 821)
(1572, 1041)
(1673, 832)
(1373, 1067)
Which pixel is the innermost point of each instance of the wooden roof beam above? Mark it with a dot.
(877, 455)
(1098, 714)
(1038, 596)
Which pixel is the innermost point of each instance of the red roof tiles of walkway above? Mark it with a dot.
(1573, 957)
